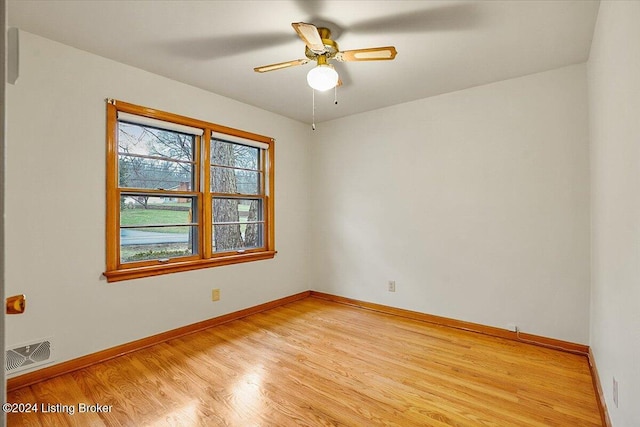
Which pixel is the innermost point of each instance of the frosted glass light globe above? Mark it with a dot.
(323, 77)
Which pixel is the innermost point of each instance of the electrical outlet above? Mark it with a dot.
(615, 392)
(215, 295)
(392, 286)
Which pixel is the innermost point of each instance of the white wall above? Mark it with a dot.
(55, 227)
(614, 103)
(475, 202)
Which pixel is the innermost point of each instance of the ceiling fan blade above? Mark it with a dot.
(386, 53)
(280, 65)
(310, 36)
(453, 16)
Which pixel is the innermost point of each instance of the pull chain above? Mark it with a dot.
(313, 114)
(313, 102)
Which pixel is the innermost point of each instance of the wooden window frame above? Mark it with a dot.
(115, 269)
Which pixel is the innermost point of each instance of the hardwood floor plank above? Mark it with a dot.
(315, 362)
(22, 418)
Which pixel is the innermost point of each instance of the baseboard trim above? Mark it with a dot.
(459, 324)
(597, 385)
(111, 353)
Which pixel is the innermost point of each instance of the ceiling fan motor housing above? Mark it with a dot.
(330, 46)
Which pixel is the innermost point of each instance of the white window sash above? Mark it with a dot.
(141, 120)
(239, 140)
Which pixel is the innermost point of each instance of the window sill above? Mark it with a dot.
(156, 270)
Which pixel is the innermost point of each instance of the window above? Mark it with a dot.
(184, 194)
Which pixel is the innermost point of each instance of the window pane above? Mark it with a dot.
(148, 141)
(141, 244)
(234, 155)
(154, 158)
(141, 210)
(156, 227)
(234, 181)
(230, 237)
(236, 210)
(234, 224)
(140, 172)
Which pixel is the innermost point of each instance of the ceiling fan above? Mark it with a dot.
(321, 48)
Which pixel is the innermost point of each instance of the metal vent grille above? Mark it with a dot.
(28, 356)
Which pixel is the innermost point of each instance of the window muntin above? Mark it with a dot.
(207, 191)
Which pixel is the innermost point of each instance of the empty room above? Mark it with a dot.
(321, 213)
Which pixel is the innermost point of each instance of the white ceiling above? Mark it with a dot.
(443, 46)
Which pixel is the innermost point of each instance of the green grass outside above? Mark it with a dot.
(140, 216)
(155, 216)
(128, 254)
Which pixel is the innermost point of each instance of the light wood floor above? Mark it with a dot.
(319, 363)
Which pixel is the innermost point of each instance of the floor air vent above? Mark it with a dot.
(28, 356)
